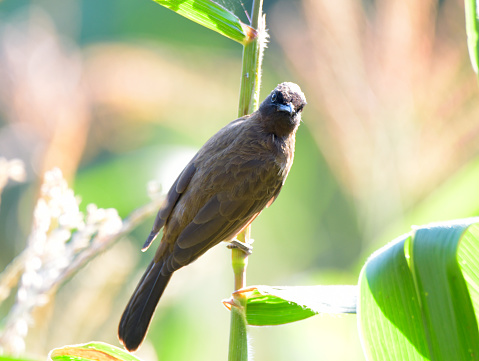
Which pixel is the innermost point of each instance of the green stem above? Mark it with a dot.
(238, 348)
(252, 60)
(249, 101)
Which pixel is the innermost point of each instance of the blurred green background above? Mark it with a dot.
(119, 92)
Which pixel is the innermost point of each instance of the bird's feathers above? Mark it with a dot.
(233, 177)
(174, 193)
(137, 315)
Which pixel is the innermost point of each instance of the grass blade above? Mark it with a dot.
(212, 16)
(472, 31)
(267, 306)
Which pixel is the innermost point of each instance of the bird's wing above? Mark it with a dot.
(223, 215)
(172, 197)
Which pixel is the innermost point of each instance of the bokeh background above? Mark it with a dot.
(119, 92)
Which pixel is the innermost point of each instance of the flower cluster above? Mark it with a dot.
(61, 234)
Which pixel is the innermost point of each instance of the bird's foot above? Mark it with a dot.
(243, 246)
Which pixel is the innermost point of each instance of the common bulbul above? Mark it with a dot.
(236, 174)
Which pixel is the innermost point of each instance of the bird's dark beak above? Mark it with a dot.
(286, 108)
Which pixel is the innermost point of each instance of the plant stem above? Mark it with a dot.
(238, 349)
(249, 101)
(252, 60)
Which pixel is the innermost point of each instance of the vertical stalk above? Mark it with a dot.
(238, 348)
(252, 60)
(248, 102)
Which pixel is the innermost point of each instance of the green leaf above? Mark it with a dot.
(97, 351)
(267, 305)
(212, 16)
(472, 30)
(419, 295)
(467, 258)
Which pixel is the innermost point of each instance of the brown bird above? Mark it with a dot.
(233, 177)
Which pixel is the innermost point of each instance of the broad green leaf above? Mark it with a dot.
(467, 257)
(212, 16)
(417, 295)
(97, 351)
(472, 30)
(267, 305)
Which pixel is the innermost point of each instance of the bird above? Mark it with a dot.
(237, 173)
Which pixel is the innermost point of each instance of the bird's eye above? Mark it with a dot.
(274, 97)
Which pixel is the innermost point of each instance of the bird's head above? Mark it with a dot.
(281, 110)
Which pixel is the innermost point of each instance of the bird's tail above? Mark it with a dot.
(139, 311)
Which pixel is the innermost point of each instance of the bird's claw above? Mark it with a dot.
(245, 247)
